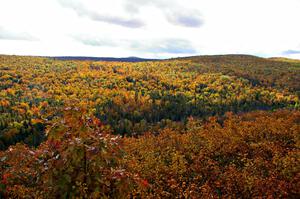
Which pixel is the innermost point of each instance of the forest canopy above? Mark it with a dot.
(196, 127)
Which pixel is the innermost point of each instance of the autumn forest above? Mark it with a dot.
(225, 126)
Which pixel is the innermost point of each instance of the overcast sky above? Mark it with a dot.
(150, 28)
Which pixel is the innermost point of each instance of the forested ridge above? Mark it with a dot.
(196, 127)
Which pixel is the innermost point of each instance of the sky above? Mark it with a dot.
(150, 28)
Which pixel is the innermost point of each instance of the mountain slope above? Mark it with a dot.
(277, 73)
(115, 59)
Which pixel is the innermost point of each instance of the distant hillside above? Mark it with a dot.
(283, 59)
(230, 58)
(273, 72)
(115, 59)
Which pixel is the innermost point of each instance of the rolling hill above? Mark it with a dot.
(195, 127)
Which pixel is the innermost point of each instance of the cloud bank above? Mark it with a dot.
(185, 18)
(155, 46)
(11, 35)
(175, 13)
(82, 10)
(291, 52)
(171, 46)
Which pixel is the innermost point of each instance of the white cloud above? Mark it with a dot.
(187, 18)
(11, 35)
(149, 28)
(95, 15)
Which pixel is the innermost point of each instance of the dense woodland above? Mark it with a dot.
(196, 127)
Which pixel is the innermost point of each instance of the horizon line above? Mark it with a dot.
(136, 57)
